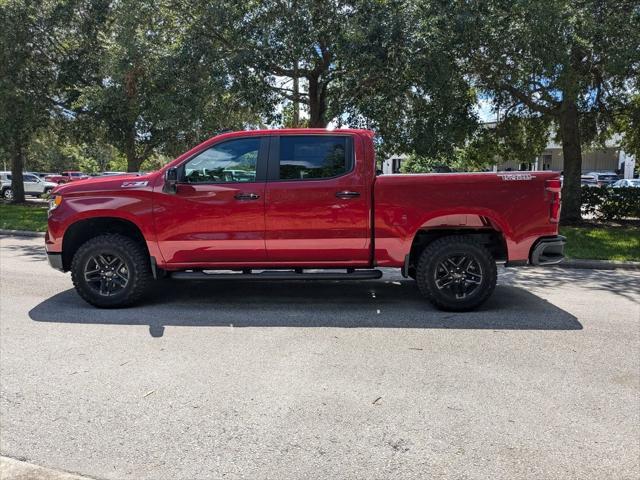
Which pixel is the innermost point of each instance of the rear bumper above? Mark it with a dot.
(548, 250)
(55, 260)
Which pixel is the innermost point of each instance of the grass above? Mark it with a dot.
(591, 241)
(603, 242)
(23, 217)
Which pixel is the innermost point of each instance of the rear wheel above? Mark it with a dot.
(456, 273)
(7, 194)
(111, 271)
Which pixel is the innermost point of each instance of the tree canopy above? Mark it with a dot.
(45, 53)
(111, 81)
(571, 62)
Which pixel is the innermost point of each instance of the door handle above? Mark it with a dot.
(246, 196)
(347, 194)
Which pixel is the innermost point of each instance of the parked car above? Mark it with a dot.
(33, 185)
(42, 175)
(110, 174)
(627, 183)
(314, 202)
(65, 177)
(599, 179)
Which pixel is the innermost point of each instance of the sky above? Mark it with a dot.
(484, 109)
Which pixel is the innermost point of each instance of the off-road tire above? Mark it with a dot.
(438, 251)
(137, 263)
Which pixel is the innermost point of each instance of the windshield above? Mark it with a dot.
(608, 177)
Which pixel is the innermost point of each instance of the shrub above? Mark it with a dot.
(608, 203)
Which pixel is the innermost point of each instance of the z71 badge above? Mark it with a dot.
(134, 184)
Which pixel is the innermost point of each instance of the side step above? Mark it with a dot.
(280, 275)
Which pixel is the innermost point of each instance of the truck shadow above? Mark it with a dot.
(375, 304)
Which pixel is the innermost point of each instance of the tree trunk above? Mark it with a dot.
(572, 154)
(296, 96)
(317, 103)
(133, 162)
(17, 165)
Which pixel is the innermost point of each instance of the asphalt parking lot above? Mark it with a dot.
(322, 380)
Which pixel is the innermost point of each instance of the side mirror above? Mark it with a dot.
(170, 181)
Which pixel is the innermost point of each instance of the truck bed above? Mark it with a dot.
(515, 204)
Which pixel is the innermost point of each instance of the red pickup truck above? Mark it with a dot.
(65, 177)
(300, 204)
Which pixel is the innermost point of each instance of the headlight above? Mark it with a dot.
(54, 202)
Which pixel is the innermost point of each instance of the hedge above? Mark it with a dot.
(608, 203)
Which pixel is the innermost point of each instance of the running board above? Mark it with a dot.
(280, 275)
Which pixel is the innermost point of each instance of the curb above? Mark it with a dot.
(21, 233)
(12, 469)
(598, 264)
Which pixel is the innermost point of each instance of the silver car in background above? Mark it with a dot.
(627, 183)
(33, 185)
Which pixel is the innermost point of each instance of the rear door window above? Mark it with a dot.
(313, 157)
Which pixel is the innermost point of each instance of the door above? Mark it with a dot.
(217, 213)
(317, 208)
(32, 184)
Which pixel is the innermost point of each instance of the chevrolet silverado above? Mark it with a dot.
(300, 204)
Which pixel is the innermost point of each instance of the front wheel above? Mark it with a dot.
(7, 194)
(111, 271)
(456, 273)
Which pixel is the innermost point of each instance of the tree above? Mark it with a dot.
(402, 79)
(58, 147)
(514, 139)
(152, 94)
(270, 47)
(628, 125)
(359, 63)
(570, 62)
(43, 52)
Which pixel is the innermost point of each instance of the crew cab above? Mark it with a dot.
(300, 204)
(65, 177)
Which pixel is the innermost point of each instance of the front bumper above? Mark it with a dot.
(548, 250)
(55, 260)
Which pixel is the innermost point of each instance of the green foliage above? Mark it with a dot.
(571, 62)
(287, 119)
(44, 51)
(515, 139)
(607, 203)
(103, 85)
(151, 93)
(380, 64)
(53, 150)
(628, 124)
(401, 77)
